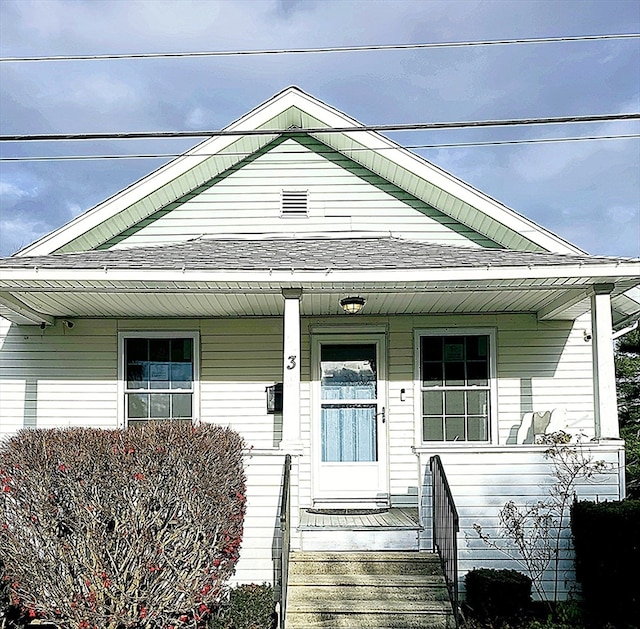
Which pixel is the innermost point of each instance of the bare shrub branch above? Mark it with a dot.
(532, 533)
(117, 529)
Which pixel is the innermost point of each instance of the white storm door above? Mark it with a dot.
(350, 420)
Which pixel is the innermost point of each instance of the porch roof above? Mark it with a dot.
(234, 277)
(301, 254)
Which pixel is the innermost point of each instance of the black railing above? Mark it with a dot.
(285, 530)
(445, 528)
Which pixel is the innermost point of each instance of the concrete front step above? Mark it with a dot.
(371, 563)
(372, 620)
(367, 588)
(376, 590)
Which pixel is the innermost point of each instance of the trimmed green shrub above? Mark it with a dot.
(494, 594)
(120, 529)
(607, 550)
(249, 607)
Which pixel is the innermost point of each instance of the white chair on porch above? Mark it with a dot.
(541, 423)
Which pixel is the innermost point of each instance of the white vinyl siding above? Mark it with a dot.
(58, 377)
(484, 480)
(544, 366)
(62, 377)
(240, 359)
(261, 540)
(342, 197)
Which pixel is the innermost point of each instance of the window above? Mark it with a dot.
(455, 386)
(159, 372)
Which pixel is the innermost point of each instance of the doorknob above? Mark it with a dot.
(383, 414)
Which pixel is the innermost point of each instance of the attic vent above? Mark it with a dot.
(295, 203)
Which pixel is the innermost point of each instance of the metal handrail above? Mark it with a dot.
(285, 530)
(445, 528)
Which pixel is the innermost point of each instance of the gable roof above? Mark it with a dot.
(293, 111)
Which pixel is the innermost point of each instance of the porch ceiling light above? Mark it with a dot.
(352, 305)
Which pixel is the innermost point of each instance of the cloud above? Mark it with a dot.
(580, 190)
(198, 118)
(17, 232)
(105, 93)
(11, 192)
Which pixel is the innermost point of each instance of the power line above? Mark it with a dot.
(426, 126)
(328, 49)
(53, 158)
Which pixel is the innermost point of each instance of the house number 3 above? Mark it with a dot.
(292, 362)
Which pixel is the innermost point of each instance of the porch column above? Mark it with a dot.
(604, 376)
(291, 370)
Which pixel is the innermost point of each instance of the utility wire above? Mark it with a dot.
(328, 49)
(425, 126)
(52, 158)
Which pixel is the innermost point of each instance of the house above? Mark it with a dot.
(336, 298)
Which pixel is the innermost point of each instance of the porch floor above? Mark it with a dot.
(397, 518)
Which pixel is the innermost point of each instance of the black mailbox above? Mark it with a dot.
(274, 398)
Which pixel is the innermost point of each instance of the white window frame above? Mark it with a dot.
(493, 385)
(157, 334)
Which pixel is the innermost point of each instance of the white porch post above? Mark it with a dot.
(604, 376)
(291, 370)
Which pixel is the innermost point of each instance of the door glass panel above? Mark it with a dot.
(348, 372)
(349, 380)
(349, 433)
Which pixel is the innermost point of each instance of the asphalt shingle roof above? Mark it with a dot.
(386, 253)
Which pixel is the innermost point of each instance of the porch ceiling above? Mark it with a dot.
(203, 299)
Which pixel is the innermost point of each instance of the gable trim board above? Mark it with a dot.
(294, 108)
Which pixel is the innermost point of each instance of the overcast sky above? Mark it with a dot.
(588, 192)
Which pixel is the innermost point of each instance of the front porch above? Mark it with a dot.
(396, 528)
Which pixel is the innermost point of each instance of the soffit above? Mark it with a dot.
(137, 299)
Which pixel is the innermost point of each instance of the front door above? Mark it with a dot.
(350, 445)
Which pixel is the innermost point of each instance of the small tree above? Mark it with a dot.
(627, 358)
(117, 529)
(534, 531)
